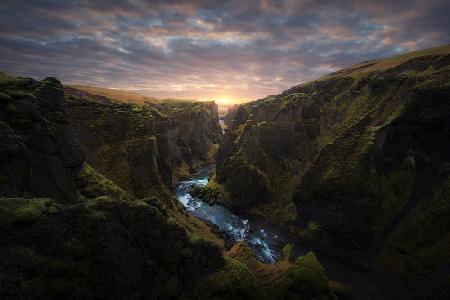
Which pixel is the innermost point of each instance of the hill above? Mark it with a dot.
(356, 163)
(124, 96)
(86, 209)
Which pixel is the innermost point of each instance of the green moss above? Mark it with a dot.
(286, 252)
(421, 243)
(235, 281)
(92, 184)
(340, 290)
(96, 215)
(309, 271)
(183, 171)
(96, 207)
(313, 226)
(212, 152)
(305, 278)
(13, 210)
(208, 193)
(4, 98)
(10, 107)
(20, 94)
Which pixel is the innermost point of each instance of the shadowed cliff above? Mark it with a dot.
(70, 231)
(153, 144)
(356, 163)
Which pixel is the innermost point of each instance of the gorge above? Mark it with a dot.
(334, 189)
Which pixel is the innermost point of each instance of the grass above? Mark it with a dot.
(132, 97)
(120, 95)
(389, 62)
(19, 210)
(92, 184)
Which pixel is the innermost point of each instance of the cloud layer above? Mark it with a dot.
(205, 49)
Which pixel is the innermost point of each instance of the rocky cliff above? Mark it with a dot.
(154, 143)
(38, 155)
(68, 231)
(356, 162)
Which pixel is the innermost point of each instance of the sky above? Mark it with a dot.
(229, 51)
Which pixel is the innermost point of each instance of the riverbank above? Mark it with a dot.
(267, 240)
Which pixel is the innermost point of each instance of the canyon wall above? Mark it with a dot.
(144, 147)
(357, 163)
(70, 232)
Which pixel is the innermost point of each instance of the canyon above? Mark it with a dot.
(108, 194)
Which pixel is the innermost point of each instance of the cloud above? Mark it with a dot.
(204, 49)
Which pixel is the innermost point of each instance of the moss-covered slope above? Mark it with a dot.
(357, 160)
(70, 232)
(145, 147)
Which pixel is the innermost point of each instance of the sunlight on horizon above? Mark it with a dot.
(226, 100)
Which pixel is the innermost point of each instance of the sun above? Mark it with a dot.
(224, 100)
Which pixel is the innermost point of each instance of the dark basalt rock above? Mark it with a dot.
(156, 144)
(205, 193)
(35, 124)
(100, 249)
(14, 161)
(357, 162)
(88, 238)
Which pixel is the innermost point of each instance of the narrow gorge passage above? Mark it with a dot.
(267, 241)
(264, 240)
(338, 188)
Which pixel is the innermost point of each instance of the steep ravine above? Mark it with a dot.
(356, 164)
(67, 231)
(268, 240)
(155, 144)
(86, 209)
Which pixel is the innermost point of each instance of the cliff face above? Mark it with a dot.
(69, 232)
(38, 155)
(358, 161)
(154, 144)
(228, 118)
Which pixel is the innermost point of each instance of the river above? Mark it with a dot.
(267, 241)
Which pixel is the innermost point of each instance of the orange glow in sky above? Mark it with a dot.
(226, 100)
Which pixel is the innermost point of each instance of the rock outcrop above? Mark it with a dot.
(231, 112)
(356, 162)
(38, 155)
(70, 232)
(102, 248)
(154, 144)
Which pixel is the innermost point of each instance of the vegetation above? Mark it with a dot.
(356, 163)
(304, 278)
(352, 157)
(156, 144)
(234, 281)
(17, 210)
(92, 184)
